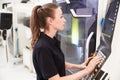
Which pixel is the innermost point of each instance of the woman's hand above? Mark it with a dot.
(83, 65)
(92, 63)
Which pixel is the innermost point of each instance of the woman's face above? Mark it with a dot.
(59, 20)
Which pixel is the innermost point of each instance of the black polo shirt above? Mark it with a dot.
(48, 59)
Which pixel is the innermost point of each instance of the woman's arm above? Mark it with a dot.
(70, 66)
(79, 75)
(75, 76)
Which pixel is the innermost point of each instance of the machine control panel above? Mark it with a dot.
(98, 67)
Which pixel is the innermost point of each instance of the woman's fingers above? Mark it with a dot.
(87, 61)
(97, 59)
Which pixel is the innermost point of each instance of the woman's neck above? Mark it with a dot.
(50, 33)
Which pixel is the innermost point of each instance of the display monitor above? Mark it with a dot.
(5, 20)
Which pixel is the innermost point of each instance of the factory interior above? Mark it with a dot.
(92, 26)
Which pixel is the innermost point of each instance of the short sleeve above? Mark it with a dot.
(46, 63)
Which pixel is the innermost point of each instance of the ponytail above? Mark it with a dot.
(34, 25)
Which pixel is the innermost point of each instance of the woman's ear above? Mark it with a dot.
(49, 20)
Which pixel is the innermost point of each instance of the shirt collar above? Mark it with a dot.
(49, 39)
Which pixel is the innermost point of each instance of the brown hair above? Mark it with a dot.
(38, 19)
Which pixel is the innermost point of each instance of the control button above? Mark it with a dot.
(114, 17)
(117, 6)
(96, 70)
(116, 10)
(113, 25)
(117, 2)
(112, 28)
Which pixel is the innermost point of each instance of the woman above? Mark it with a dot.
(48, 59)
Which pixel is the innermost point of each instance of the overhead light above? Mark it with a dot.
(77, 15)
(67, 1)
